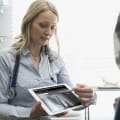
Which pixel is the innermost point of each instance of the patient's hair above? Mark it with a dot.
(116, 39)
(117, 28)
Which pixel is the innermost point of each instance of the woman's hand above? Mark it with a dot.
(37, 111)
(116, 102)
(61, 114)
(84, 92)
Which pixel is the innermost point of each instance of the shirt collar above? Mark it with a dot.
(26, 51)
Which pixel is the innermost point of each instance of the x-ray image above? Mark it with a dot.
(56, 99)
(59, 101)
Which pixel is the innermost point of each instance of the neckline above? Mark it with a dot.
(35, 56)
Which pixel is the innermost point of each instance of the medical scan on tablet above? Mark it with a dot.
(56, 99)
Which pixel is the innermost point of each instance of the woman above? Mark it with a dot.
(38, 65)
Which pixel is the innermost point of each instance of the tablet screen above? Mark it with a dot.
(58, 98)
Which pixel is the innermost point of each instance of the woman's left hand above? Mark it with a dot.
(84, 92)
(61, 114)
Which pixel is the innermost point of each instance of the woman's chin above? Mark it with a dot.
(46, 42)
(43, 43)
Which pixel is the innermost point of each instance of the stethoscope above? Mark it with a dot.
(49, 61)
(11, 91)
(50, 70)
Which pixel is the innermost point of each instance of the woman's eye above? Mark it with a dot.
(43, 25)
(53, 27)
(47, 26)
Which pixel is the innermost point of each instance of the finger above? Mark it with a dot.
(80, 85)
(85, 100)
(38, 105)
(39, 110)
(61, 114)
(83, 90)
(86, 95)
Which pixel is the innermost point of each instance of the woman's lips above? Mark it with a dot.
(45, 38)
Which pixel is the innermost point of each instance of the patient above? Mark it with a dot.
(117, 58)
(117, 112)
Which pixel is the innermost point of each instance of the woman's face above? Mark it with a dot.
(43, 27)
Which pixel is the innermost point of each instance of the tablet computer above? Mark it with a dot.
(56, 98)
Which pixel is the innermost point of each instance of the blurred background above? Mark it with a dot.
(85, 32)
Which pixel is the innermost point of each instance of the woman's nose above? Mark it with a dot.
(48, 32)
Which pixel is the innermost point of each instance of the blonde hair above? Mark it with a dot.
(23, 40)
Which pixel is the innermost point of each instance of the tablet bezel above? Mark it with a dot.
(37, 98)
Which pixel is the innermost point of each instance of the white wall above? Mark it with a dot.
(5, 23)
(86, 37)
(85, 34)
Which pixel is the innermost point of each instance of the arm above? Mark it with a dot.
(62, 76)
(88, 98)
(14, 111)
(6, 109)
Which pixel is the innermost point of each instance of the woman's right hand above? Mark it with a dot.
(37, 111)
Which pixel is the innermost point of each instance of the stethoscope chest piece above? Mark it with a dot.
(11, 93)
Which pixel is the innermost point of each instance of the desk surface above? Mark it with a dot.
(106, 88)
